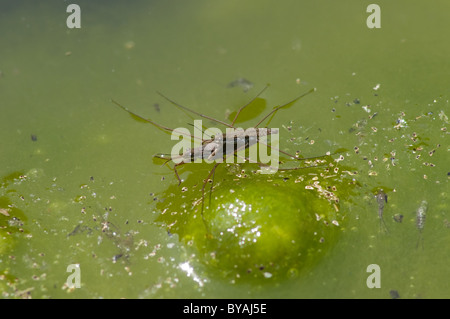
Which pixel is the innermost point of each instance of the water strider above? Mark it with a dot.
(421, 214)
(381, 197)
(222, 146)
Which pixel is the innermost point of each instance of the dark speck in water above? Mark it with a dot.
(394, 294)
(33, 137)
(398, 218)
(117, 257)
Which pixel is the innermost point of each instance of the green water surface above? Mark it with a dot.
(79, 185)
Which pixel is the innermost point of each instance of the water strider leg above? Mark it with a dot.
(251, 101)
(284, 105)
(212, 172)
(420, 239)
(159, 126)
(279, 169)
(211, 188)
(176, 172)
(192, 111)
(383, 225)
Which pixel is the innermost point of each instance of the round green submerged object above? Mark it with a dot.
(264, 229)
(259, 227)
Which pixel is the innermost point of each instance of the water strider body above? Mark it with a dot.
(223, 146)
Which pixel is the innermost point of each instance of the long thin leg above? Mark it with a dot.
(161, 127)
(203, 194)
(275, 168)
(383, 224)
(235, 153)
(292, 156)
(418, 240)
(262, 164)
(192, 111)
(176, 172)
(211, 188)
(210, 118)
(296, 168)
(251, 101)
(211, 173)
(206, 180)
(284, 105)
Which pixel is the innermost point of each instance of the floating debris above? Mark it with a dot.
(366, 108)
(394, 294)
(398, 218)
(129, 45)
(4, 211)
(80, 229)
(443, 117)
(400, 123)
